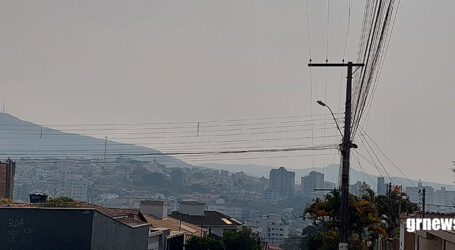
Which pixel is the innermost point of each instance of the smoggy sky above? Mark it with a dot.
(72, 62)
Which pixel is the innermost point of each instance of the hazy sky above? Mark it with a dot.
(71, 62)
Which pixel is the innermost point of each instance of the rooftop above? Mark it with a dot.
(130, 217)
(210, 218)
(174, 225)
(192, 202)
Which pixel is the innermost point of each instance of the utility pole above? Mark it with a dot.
(105, 147)
(389, 194)
(423, 203)
(399, 204)
(345, 149)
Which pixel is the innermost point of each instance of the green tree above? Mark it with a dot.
(61, 201)
(204, 243)
(293, 242)
(388, 206)
(243, 239)
(364, 223)
(5, 200)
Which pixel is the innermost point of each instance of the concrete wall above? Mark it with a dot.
(110, 234)
(154, 208)
(39, 228)
(449, 245)
(219, 230)
(154, 242)
(192, 209)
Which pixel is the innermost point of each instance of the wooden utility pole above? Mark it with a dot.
(423, 203)
(400, 193)
(345, 149)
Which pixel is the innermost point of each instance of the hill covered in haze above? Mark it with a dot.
(23, 139)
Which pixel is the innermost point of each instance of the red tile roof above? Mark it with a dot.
(175, 225)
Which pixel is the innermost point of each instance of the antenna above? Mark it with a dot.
(105, 147)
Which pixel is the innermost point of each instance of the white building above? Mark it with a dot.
(443, 200)
(271, 195)
(272, 228)
(415, 194)
(76, 187)
(381, 188)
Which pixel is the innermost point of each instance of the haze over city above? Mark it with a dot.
(226, 125)
(153, 61)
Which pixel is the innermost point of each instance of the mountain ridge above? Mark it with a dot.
(24, 139)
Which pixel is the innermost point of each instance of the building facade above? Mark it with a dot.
(283, 182)
(415, 194)
(272, 228)
(70, 228)
(214, 222)
(427, 239)
(381, 186)
(314, 180)
(76, 187)
(7, 172)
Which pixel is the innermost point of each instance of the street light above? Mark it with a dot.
(335, 119)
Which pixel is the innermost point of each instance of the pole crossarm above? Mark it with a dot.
(335, 64)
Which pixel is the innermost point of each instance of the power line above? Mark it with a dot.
(348, 31)
(268, 150)
(308, 28)
(166, 123)
(145, 131)
(381, 67)
(377, 19)
(122, 151)
(365, 142)
(187, 142)
(161, 158)
(382, 152)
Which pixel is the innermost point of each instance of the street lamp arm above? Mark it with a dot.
(331, 112)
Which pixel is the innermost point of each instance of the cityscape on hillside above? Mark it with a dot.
(227, 125)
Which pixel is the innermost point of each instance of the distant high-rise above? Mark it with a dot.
(76, 187)
(282, 181)
(381, 187)
(415, 193)
(312, 181)
(7, 171)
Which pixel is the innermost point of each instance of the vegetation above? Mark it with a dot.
(203, 243)
(369, 217)
(61, 201)
(243, 239)
(5, 200)
(293, 242)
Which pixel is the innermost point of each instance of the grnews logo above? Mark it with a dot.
(415, 224)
